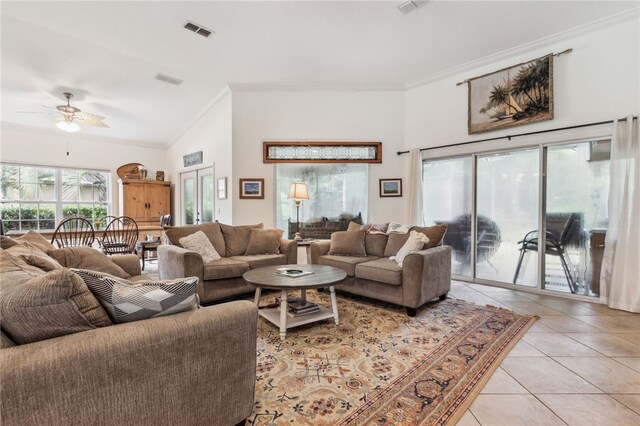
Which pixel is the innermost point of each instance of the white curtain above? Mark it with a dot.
(620, 275)
(414, 216)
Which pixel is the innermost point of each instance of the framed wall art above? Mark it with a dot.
(391, 187)
(251, 188)
(514, 96)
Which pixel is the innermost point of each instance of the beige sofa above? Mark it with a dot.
(424, 275)
(222, 278)
(195, 367)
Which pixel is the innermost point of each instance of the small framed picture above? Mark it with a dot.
(391, 187)
(251, 189)
(222, 188)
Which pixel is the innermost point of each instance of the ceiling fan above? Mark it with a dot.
(69, 116)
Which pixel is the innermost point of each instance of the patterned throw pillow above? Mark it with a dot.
(199, 243)
(375, 228)
(414, 244)
(398, 228)
(125, 301)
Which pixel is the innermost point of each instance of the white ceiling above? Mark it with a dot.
(107, 53)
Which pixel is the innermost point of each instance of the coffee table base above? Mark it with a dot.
(279, 317)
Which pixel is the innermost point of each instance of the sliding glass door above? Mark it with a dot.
(447, 199)
(507, 210)
(533, 217)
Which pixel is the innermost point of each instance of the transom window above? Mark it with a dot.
(38, 197)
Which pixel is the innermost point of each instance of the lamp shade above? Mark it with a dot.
(69, 127)
(298, 191)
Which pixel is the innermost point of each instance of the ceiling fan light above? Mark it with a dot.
(67, 127)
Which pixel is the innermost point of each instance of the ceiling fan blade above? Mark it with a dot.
(90, 120)
(84, 115)
(36, 112)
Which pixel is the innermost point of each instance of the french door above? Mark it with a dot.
(533, 217)
(196, 189)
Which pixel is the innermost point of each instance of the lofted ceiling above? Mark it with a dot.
(108, 52)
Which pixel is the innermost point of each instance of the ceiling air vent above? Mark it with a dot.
(169, 79)
(411, 5)
(198, 29)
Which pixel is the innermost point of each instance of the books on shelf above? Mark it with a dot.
(297, 306)
(293, 273)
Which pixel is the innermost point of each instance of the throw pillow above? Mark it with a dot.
(51, 305)
(348, 243)
(375, 228)
(236, 238)
(395, 243)
(87, 258)
(414, 244)
(353, 226)
(199, 243)
(34, 256)
(434, 233)
(32, 237)
(264, 241)
(375, 244)
(127, 301)
(398, 228)
(15, 270)
(211, 230)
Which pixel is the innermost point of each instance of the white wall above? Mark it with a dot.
(21, 144)
(321, 116)
(211, 134)
(598, 81)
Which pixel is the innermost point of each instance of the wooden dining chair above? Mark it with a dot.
(120, 236)
(74, 232)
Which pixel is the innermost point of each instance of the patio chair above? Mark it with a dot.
(73, 232)
(120, 236)
(555, 245)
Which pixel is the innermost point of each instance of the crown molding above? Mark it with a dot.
(530, 46)
(82, 136)
(258, 87)
(225, 90)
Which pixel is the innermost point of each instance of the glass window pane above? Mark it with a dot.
(10, 211)
(46, 176)
(47, 211)
(28, 174)
(69, 185)
(47, 225)
(507, 209)
(188, 201)
(10, 225)
(576, 216)
(206, 183)
(27, 225)
(9, 182)
(28, 191)
(69, 210)
(28, 211)
(449, 182)
(335, 190)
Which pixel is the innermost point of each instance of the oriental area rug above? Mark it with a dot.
(380, 366)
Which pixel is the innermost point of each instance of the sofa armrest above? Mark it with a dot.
(317, 249)
(179, 369)
(129, 262)
(177, 262)
(290, 248)
(425, 275)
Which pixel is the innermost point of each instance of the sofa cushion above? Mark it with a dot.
(87, 258)
(34, 256)
(264, 241)
(224, 268)
(260, 260)
(375, 244)
(346, 263)
(211, 230)
(348, 243)
(32, 237)
(434, 233)
(125, 301)
(199, 243)
(15, 270)
(51, 305)
(5, 341)
(395, 243)
(414, 244)
(383, 270)
(236, 238)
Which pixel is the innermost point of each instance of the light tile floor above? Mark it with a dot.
(579, 364)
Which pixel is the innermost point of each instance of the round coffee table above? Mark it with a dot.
(321, 276)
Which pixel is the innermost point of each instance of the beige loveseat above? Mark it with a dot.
(222, 278)
(423, 276)
(195, 367)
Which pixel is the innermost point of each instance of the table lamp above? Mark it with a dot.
(298, 192)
